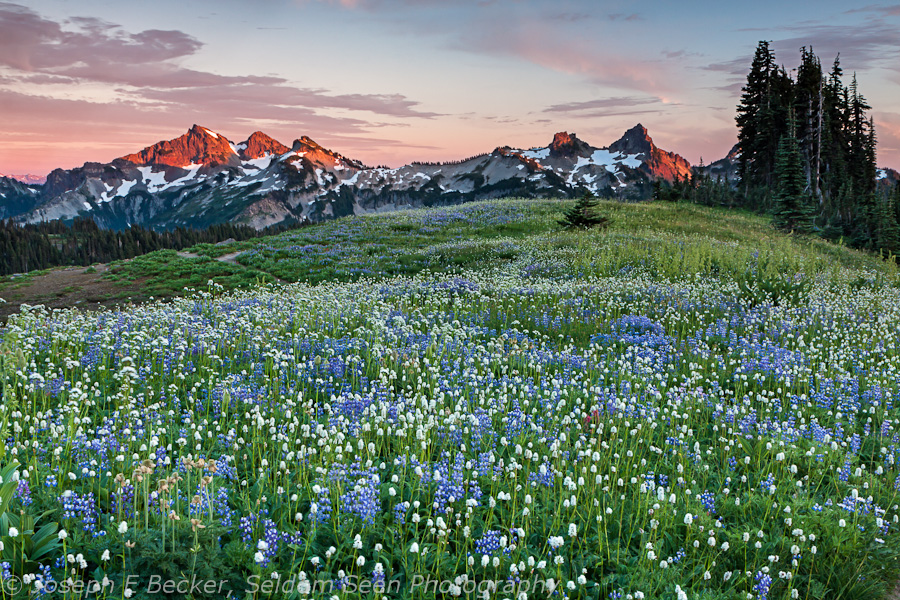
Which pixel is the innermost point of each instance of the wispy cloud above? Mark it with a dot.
(85, 49)
(139, 92)
(869, 43)
(624, 17)
(603, 103)
(534, 41)
(884, 10)
(865, 45)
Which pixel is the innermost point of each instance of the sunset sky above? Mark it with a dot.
(390, 81)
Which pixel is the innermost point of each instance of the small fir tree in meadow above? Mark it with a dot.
(584, 214)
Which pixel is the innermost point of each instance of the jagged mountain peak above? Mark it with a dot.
(198, 146)
(315, 152)
(634, 141)
(306, 143)
(259, 145)
(656, 162)
(567, 144)
(26, 178)
(734, 153)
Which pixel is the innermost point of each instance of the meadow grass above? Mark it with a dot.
(686, 405)
(682, 239)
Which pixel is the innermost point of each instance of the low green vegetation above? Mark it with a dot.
(668, 239)
(164, 274)
(683, 405)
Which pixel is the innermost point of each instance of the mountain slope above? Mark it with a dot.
(726, 168)
(198, 146)
(657, 163)
(888, 177)
(16, 197)
(26, 178)
(201, 178)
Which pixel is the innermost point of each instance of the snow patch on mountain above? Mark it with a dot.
(535, 153)
(258, 163)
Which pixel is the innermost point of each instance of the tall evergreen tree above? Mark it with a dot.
(753, 114)
(794, 210)
(808, 109)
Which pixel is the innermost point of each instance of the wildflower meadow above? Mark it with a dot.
(632, 413)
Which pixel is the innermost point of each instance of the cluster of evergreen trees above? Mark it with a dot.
(702, 188)
(807, 157)
(808, 153)
(25, 248)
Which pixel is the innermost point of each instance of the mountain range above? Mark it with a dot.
(28, 178)
(201, 178)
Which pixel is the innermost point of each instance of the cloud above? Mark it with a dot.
(375, 5)
(867, 44)
(29, 42)
(562, 38)
(736, 67)
(861, 46)
(91, 50)
(603, 103)
(624, 17)
(536, 41)
(887, 11)
(52, 132)
(623, 106)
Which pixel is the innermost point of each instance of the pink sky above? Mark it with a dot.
(391, 81)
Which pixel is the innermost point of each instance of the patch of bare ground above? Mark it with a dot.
(894, 594)
(225, 258)
(82, 287)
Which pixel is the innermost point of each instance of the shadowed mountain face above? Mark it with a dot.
(726, 169)
(202, 178)
(17, 198)
(657, 163)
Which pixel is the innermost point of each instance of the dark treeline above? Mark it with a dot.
(807, 156)
(26, 248)
(702, 188)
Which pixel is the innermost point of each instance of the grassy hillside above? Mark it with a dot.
(686, 405)
(668, 239)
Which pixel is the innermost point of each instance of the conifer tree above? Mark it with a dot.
(887, 230)
(794, 209)
(657, 190)
(835, 137)
(584, 214)
(752, 112)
